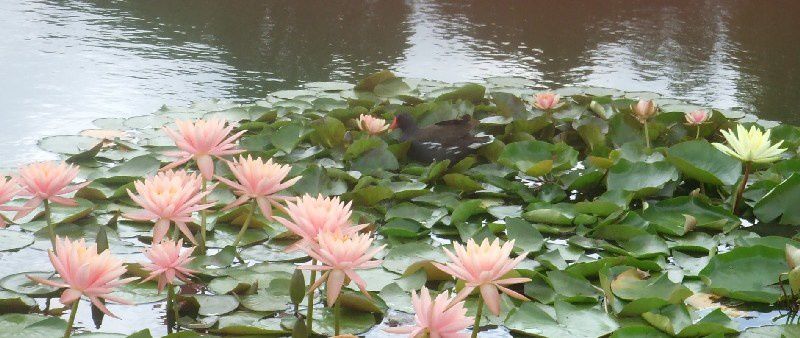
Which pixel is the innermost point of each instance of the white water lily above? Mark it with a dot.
(750, 146)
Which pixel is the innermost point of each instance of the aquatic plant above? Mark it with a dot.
(85, 272)
(610, 227)
(443, 316)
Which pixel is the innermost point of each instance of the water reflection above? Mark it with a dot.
(65, 63)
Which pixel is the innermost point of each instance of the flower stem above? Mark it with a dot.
(50, 229)
(477, 326)
(740, 189)
(310, 306)
(71, 321)
(697, 136)
(203, 218)
(246, 223)
(337, 316)
(170, 306)
(646, 135)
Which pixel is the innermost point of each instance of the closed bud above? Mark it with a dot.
(297, 288)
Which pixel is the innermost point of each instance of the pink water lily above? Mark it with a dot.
(697, 117)
(258, 180)
(372, 125)
(201, 140)
(442, 317)
(484, 267)
(84, 272)
(311, 216)
(547, 101)
(168, 260)
(47, 181)
(169, 196)
(340, 255)
(9, 187)
(644, 110)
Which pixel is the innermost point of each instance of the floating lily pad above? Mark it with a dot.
(14, 240)
(746, 273)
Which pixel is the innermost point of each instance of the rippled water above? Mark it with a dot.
(65, 63)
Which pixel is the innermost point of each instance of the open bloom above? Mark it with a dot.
(440, 317)
(259, 180)
(168, 260)
(200, 140)
(547, 101)
(372, 125)
(169, 196)
(85, 272)
(750, 145)
(341, 255)
(8, 189)
(47, 181)
(483, 267)
(697, 117)
(644, 110)
(312, 215)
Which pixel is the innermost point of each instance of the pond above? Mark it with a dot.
(66, 63)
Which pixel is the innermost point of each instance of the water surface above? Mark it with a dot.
(65, 63)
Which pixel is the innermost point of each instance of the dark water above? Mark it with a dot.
(65, 63)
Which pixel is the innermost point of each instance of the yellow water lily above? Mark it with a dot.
(750, 146)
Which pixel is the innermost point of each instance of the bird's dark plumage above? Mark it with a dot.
(447, 140)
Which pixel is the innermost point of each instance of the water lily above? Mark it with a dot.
(697, 117)
(201, 140)
(311, 216)
(168, 260)
(793, 261)
(260, 181)
(440, 317)
(372, 125)
(9, 187)
(643, 111)
(47, 182)
(341, 255)
(85, 272)
(547, 101)
(749, 146)
(484, 267)
(169, 196)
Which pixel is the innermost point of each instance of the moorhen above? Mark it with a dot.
(446, 140)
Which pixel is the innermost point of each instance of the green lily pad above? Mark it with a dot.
(14, 240)
(746, 273)
(31, 325)
(780, 202)
(565, 320)
(701, 161)
(352, 322)
(641, 178)
(20, 283)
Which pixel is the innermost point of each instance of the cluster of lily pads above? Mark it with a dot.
(632, 214)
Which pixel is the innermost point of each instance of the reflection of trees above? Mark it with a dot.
(291, 41)
(567, 38)
(768, 52)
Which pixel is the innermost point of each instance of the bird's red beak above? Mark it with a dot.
(394, 124)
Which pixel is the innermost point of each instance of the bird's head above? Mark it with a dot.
(404, 122)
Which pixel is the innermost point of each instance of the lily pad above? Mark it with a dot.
(746, 273)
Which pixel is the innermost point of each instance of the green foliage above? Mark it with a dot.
(618, 237)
